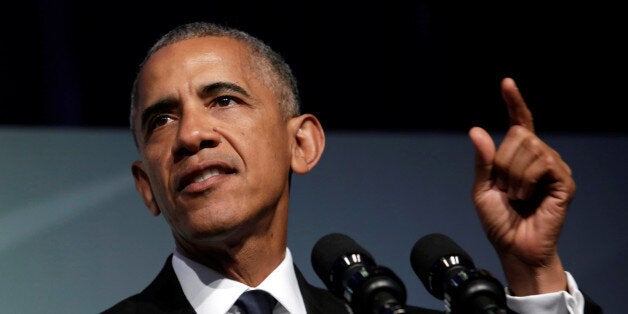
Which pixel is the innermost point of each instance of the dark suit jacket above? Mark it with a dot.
(165, 295)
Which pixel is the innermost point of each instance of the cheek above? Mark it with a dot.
(157, 174)
(263, 138)
(274, 147)
(276, 159)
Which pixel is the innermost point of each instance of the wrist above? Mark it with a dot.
(525, 279)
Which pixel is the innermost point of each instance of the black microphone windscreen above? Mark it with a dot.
(429, 249)
(329, 249)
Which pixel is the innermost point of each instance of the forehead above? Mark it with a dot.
(191, 63)
(198, 47)
(192, 57)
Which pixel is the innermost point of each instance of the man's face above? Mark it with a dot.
(215, 150)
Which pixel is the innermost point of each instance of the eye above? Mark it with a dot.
(159, 120)
(226, 101)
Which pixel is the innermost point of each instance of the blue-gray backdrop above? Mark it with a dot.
(75, 237)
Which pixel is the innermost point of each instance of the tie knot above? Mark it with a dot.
(256, 302)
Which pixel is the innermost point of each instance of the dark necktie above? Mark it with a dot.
(256, 302)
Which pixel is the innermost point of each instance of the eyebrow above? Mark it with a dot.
(170, 102)
(218, 87)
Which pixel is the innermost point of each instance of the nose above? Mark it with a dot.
(196, 131)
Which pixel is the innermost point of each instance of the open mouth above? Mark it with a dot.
(203, 175)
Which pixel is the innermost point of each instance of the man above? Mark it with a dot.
(216, 119)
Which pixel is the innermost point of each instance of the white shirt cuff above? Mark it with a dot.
(571, 301)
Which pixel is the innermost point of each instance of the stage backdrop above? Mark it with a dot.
(75, 236)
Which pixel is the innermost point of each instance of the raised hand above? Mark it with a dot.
(521, 192)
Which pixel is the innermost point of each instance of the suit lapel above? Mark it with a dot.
(166, 294)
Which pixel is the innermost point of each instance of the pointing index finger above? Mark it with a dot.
(517, 108)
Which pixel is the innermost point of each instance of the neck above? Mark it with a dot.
(249, 259)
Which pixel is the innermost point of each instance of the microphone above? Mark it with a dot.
(350, 273)
(448, 273)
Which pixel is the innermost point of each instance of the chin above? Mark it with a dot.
(216, 235)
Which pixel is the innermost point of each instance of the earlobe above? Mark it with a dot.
(142, 184)
(309, 143)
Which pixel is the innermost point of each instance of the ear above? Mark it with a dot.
(309, 142)
(142, 184)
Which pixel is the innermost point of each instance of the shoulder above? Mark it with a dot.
(318, 300)
(163, 295)
(132, 304)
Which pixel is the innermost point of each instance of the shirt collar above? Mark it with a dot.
(210, 292)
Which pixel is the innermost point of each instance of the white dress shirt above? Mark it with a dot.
(210, 292)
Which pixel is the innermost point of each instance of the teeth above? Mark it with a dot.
(206, 175)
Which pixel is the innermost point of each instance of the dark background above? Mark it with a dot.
(392, 65)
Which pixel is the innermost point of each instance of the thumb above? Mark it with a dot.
(485, 153)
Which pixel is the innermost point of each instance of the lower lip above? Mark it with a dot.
(199, 187)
